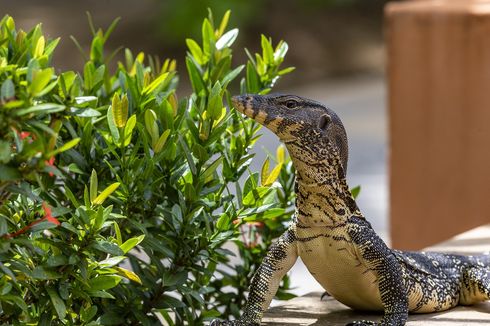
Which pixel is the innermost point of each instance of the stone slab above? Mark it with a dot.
(311, 310)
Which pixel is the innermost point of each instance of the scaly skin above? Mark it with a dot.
(334, 240)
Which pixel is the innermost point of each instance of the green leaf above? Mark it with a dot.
(273, 175)
(87, 314)
(151, 125)
(223, 222)
(5, 151)
(108, 247)
(40, 79)
(280, 154)
(39, 49)
(286, 71)
(267, 51)
(17, 300)
(103, 282)
(208, 39)
(100, 294)
(57, 260)
(58, 303)
(196, 51)
(105, 193)
(112, 261)
(224, 22)
(208, 173)
(7, 90)
(154, 85)
(187, 152)
(72, 143)
(132, 276)
(227, 39)
(112, 126)
(215, 102)
(265, 171)
(252, 81)
(280, 53)
(119, 109)
(94, 186)
(44, 108)
(128, 130)
(194, 76)
(232, 75)
(161, 141)
(8, 173)
(255, 195)
(42, 273)
(355, 191)
(131, 243)
(111, 318)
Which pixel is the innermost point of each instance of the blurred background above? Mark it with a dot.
(336, 46)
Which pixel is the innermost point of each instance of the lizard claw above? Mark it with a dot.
(217, 322)
(362, 323)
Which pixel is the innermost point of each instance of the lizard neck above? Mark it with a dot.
(323, 197)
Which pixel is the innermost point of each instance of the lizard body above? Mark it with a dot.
(334, 240)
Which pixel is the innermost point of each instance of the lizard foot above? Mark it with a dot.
(217, 322)
(362, 323)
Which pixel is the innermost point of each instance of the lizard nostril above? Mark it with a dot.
(248, 98)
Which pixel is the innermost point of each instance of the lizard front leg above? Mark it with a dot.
(376, 256)
(279, 259)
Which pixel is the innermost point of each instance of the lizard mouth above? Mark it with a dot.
(243, 103)
(249, 106)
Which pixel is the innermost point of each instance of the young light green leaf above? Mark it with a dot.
(355, 191)
(155, 84)
(161, 141)
(208, 38)
(131, 243)
(128, 130)
(112, 261)
(40, 79)
(94, 186)
(231, 75)
(196, 51)
(112, 127)
(132, 276)
(274, 175)
(39, 49)
(194, 76)
(267, 51)
(280, 154)
(227, 39)
(151, 125)
(44, 108)
(119, 109)
(103, 282)
(105, 193)
(72, 143)
(224, 23)
(264, 173)
(280, 53)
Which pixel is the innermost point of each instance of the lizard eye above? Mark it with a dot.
(291, 104)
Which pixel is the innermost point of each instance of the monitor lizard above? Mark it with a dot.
(333, 238)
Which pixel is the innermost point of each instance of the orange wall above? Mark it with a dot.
(439, 107)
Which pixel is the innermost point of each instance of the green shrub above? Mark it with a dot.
(119, 202)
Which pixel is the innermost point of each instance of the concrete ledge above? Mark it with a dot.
(310, 310)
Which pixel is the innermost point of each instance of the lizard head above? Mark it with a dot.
(306, 127)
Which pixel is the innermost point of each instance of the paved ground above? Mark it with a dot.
(360, 103)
